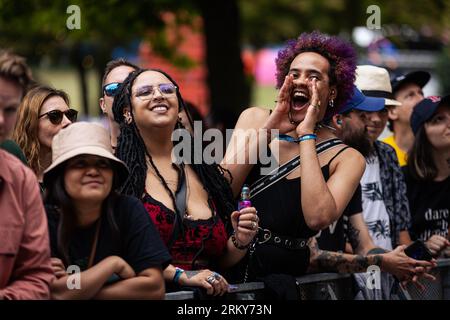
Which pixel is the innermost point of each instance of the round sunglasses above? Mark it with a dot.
(147, 92)
(56, 116)
(111, 89)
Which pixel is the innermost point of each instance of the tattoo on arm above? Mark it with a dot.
(191, 273)
(353, 236)
(327, 261)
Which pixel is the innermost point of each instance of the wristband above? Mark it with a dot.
(236, 244)
(307, 137)
(178, 272)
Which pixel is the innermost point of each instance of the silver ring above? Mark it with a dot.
(253, 225)
(216, 276)
(211, 279)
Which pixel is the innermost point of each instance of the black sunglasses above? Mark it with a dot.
(111, 89)
(56, 116)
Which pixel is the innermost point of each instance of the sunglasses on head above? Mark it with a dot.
(147, 92)
(111, 89)
(56, 116)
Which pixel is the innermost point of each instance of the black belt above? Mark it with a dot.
(267, 236)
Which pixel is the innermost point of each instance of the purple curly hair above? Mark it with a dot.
(340, 54)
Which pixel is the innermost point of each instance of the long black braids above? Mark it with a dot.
(132, 150)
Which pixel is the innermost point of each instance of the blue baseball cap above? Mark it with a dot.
(361, 102)
(425, 109)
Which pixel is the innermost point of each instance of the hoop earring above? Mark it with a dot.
(331, 104)
(179, 123)
(128, 118)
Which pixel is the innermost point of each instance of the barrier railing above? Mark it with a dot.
(333, 286)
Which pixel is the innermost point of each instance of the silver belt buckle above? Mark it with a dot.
(267, 234)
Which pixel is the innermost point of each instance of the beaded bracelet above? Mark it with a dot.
(308, 137)
(236, 244)
(178, 273)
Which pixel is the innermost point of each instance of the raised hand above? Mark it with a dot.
(308, 124)
(279, 118)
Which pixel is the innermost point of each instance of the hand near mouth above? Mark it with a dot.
(312, 113)
(279, 118)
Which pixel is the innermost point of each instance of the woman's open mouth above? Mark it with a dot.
(300, 100)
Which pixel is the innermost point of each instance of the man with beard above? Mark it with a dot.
(350, 128)
(385, 205)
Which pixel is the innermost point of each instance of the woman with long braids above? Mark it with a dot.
(191, 204)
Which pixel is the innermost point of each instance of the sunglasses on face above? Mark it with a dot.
(56, 116)
(111, 89)
(147, 92)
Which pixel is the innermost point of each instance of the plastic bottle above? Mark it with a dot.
(244, 202)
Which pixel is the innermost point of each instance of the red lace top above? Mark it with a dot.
(203, 240)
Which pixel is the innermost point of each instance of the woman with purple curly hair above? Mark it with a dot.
(315, 75)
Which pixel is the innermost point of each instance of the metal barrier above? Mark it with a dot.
(435, 290)
(333, 286)
(322, 286)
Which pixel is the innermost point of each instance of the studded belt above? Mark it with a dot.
(269, 237)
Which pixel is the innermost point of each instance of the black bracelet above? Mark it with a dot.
(237, 245)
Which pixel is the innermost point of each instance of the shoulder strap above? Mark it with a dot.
(337, 153)
(281, 172)
(180, 203)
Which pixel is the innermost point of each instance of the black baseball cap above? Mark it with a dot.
(420, 78)
(425, 109)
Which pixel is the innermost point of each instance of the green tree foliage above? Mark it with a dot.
(268, 21)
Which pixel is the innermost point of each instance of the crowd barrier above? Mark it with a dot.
(333, 286)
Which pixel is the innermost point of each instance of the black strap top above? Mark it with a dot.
(280, 211)
(279, 206)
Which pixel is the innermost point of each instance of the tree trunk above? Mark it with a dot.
(77, 58)
(84, 89)
(229, 90)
